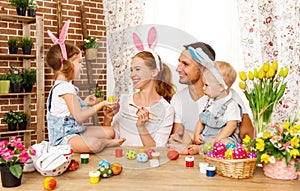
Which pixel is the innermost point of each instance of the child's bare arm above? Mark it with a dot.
(227, 130)
(199, 128)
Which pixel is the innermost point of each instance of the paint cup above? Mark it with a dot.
(94, 177)
(189, 161)
(84, 158)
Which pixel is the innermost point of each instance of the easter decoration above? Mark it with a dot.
(231, 160)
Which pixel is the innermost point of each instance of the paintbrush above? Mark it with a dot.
(140, 108)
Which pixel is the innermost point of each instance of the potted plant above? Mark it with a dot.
(13, 44)
(22, 120)
(4, 84)
(32, 6)
(91, 47)
(26, 43)
(99, 94)
(11, 118)
(16, 77)
(13, 156)
(29, 79)
(278, 149)
(20, 5)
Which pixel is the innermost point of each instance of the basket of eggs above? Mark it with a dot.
(231, 160)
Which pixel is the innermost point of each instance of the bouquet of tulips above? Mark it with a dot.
(263, 88)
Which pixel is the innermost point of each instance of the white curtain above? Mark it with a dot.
(270, 31)
(120, 15)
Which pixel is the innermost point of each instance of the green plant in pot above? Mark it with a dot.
(4, 84)
(26, 43)
(13, 44)
(15, 75)
(20, 5)
(32, 6)
(90, 45)
(99, 94)
(11, 118)
(29, 79)
(22, 120)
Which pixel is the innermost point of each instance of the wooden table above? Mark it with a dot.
(172, 175)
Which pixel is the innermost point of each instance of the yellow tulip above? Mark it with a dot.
(281, 72)
(250, 75)
(255, 72)
(285, 72)
(261, 74)
(266, 67)
(243, 76)
(275, 65)
(271, 73)
(242, 85)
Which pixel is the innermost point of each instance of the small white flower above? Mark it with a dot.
(272, 159)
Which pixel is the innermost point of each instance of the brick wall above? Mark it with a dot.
(70, 10)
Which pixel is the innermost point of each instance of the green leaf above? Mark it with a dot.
(16, 170)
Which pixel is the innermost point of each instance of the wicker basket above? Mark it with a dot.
(237, 168)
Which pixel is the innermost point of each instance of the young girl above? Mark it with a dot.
(66, 111)
(145, 117)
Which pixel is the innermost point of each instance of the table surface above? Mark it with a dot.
(170, 175)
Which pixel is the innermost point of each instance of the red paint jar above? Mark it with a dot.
(189, 161)
(119, 153)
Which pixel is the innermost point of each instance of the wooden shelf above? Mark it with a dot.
(27, 135)
(24, 56)
(16, 94)
(23, 19)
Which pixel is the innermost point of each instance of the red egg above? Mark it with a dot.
(173, 155)
(239, 153)
(219, 148)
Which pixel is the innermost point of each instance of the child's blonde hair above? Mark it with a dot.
(227, 71)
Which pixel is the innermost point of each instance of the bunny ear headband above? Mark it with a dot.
(61, 40)
(151, 44)
(205, 61)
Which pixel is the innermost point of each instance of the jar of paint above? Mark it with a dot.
(94, 177)
(189, 161)
(84, 158)
(210, 170)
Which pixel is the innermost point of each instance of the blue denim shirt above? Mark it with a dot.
(61, 129)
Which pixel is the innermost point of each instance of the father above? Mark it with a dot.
(188, 103)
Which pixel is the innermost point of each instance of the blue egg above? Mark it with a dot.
(104, 163)
(142, 157)
(230, 145)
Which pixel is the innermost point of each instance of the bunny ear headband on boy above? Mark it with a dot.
(151, 45)
(61, 40)
(199, 55)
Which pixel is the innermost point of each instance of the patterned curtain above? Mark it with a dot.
(119, 16)
(270, 30)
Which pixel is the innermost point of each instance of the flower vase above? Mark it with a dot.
(23, 125)
(21, 11)
(27, 87)
(91, 54)
(12, 126)
(16, 87)
(279, 170)
(4, 86)
(31, 12)
(8, 179)
(261, 120)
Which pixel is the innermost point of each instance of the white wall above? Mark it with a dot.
(214, 22)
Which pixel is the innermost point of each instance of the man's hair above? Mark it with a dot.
(205, 47)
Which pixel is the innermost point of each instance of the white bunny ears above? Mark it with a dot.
(199, 55)
(152, 34)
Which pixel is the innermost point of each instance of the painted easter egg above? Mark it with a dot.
(105, 172)
(210, 154)
(239, 153)
(104, 163)
(230, 145)
(149, 153)
(131, 154)
(142, 157)
(219, 148)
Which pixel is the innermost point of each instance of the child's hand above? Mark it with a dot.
(198, 139)
(90, 99)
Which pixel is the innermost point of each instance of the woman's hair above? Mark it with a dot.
(164, 85)
(57, 63)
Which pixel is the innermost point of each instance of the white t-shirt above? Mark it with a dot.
(58, 105)
(159, 126)
(187, 110)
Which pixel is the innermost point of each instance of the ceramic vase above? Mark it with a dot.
(279, 170)
(4, 86)
(31, 12)
(21, 11)
(16, 87)
(27, 87)
(91, 54)
(8, 179)
(12, 126)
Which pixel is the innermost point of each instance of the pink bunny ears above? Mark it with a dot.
(151, 45)
(61, 40)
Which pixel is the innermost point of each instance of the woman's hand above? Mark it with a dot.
(90, 100)
(143, 117)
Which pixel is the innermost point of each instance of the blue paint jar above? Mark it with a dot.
(210, 170)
